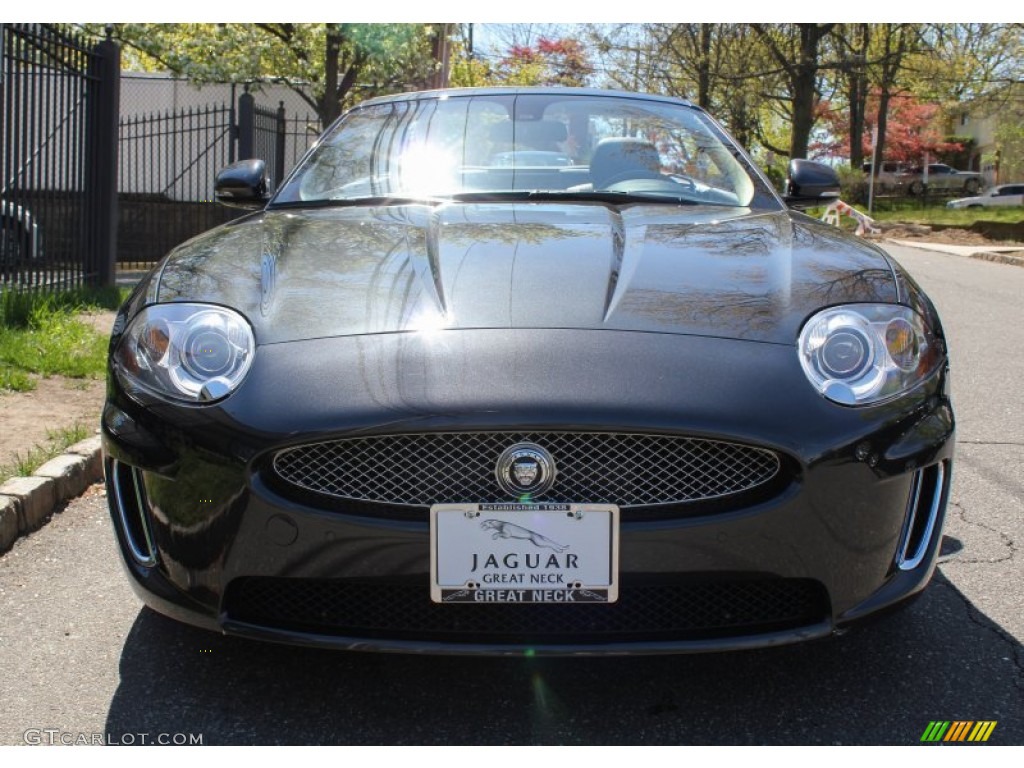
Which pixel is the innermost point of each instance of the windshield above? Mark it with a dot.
(545, 144)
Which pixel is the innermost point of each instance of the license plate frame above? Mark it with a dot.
(524, 553)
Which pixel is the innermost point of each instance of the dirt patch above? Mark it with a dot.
(950, 235)
(55, 403)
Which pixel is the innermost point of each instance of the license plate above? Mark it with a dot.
(524, 553)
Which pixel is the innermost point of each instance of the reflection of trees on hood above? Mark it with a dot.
(375, 270)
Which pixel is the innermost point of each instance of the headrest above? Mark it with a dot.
(535, 134)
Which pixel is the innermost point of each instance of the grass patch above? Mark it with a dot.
(13, 379)
(911, 211)
(54, 343)
(18, 307)
(57, 441)
(40, 334)
(963, 217)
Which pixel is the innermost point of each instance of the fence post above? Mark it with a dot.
(246, 126)
(103, 99)
(282, 127)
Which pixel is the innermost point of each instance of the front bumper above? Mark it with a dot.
(855, 529)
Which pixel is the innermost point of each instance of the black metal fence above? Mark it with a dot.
(57, 151)
(168, 162)
(278, 138)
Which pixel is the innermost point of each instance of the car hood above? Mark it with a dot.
(726, 272)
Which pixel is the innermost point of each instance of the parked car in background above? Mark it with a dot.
(942, 179)
(890, 177)
(19, 235)
(1004, 194)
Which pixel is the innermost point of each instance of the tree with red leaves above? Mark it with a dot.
(550, 62)
(912, 129)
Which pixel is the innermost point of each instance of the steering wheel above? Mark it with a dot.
(645, 175)
(638, 181)
(635, 174)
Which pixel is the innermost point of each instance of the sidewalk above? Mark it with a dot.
(999, 253)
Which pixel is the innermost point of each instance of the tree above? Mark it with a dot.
(853, 42)
(959, 62)
(914, 128)
(560, 61)
(796, 49)
(717, 66)
(895, 43)
(328, 65)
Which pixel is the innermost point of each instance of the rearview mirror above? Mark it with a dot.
(810, 184)
(244, 184)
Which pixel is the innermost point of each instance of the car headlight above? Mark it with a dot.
(191, 352)
(862, 354)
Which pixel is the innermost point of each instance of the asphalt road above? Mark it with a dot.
(82, 661)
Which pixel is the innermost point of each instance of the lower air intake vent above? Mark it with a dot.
(928, 493)
(126, 484)
(644, 612)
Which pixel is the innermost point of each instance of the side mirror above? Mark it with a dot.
(244, 184)
(810, 184)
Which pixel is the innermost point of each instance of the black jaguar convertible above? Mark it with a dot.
(527, 370)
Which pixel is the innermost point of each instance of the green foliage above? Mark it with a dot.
(1010, 140)
(16, 307)
(329, 65)
(914, 213)
(40, 334)
(853, 184)
(750, 75)
(54, 343)
(469, 72)
(776, 169)
(15, 380)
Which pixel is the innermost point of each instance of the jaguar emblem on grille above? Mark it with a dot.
(525, 471)
(525, 468)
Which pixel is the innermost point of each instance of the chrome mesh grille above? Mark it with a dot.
(626, 469)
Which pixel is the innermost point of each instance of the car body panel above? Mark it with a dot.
(836, 503)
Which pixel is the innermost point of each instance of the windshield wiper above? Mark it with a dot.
(582, 196)
(369, 200)
(526, 195)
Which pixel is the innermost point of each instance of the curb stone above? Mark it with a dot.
(1001, 258)
(28, 503)
(8, 522)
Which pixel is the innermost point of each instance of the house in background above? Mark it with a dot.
(996, 126)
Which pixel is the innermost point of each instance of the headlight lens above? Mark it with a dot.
(863, 354)
(191, 352)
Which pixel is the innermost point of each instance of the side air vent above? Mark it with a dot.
(129, 499)
(927, 498)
